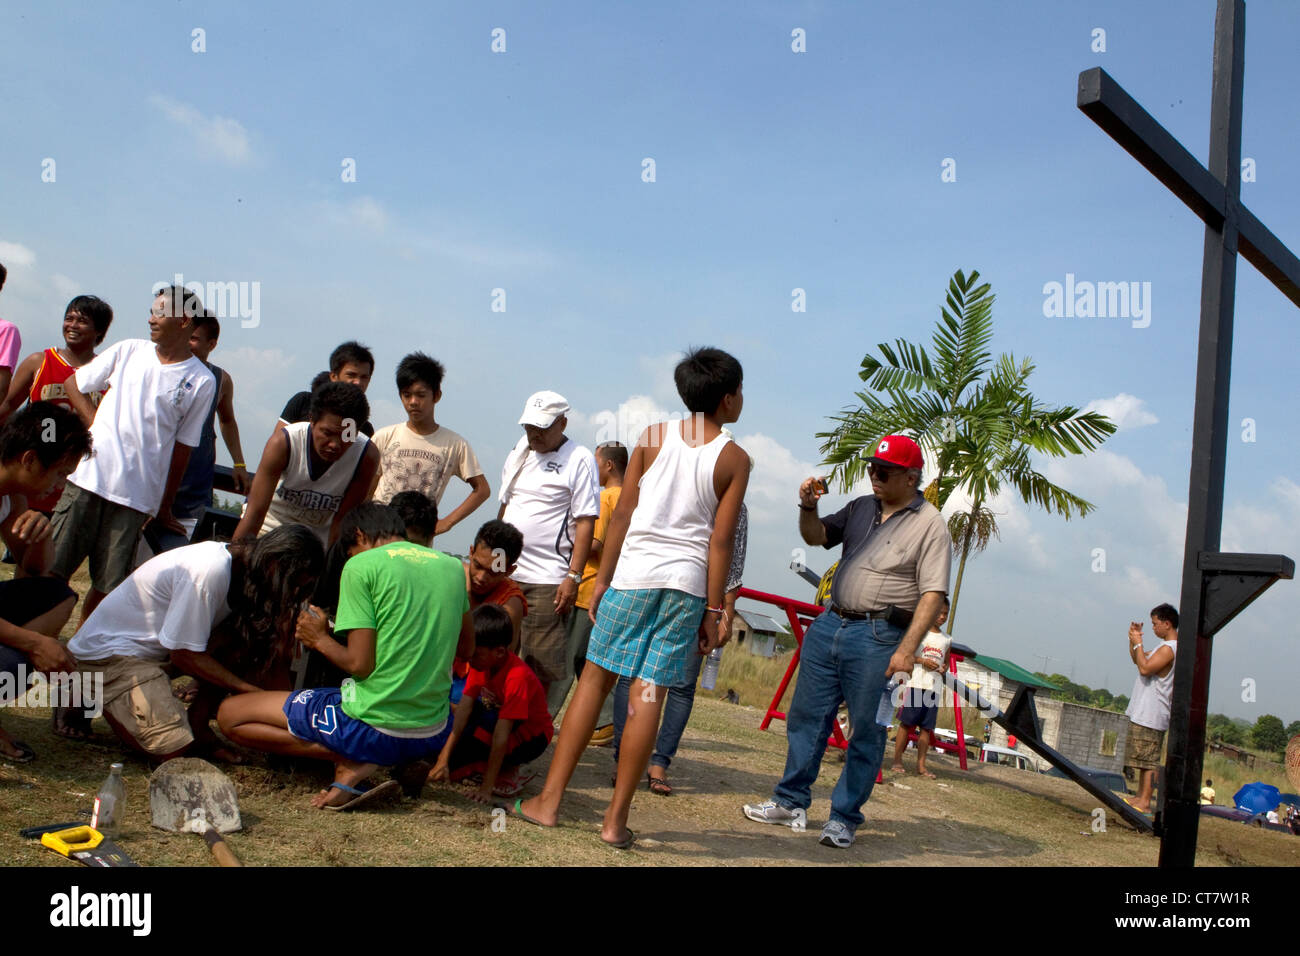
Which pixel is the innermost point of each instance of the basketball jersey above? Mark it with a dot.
(300, 500)
(49, 385)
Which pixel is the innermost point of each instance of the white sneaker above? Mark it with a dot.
(771, 812)
(837, 834)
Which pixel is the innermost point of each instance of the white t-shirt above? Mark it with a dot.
(934, 646)
(170, 602)
(148, 408)
(410, 461)
(552, 491)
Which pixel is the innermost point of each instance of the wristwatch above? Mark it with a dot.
(575, 577)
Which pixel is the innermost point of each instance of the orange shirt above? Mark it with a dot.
(608, 502)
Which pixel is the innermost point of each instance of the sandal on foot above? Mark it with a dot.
(70, 728)
(25, 753)
(659, 785)
(362, 796)
(518, 811)
(623, 844)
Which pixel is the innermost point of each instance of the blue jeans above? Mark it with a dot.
(841, 660)
(677, 711)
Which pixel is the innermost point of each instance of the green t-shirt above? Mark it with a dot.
(414, 599)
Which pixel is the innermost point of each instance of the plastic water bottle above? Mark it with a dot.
(110, 803)
(885, 712)
(711, 665)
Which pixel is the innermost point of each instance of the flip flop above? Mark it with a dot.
(25, 753)
(1145, 813)
(623, 844)
(70, 731)
(517, 811)
(362, 796)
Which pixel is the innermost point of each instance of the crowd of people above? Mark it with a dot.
(330, 627)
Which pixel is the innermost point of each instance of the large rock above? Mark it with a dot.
(182, 788)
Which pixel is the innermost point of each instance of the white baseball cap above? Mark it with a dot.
(543, 408)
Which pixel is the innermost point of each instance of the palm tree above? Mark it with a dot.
(972, 416)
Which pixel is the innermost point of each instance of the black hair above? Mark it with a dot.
(208, 321)
(1209, 782)
(270, 578)
(418, 367)
(503, 535)
(51, 431)
(492, 626)
(705, 377)
(353, 352)
(4, 274)
(1167, 613)
(946, 602)
(342, 399)
(190, 305)
(99, 312)
(614, 452)
(373, 520)
(419, 512)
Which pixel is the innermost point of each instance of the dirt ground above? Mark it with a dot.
(985, 816)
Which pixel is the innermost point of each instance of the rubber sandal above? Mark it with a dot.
(659, 785)
(517, 811)
(623, 844)
(362, 796)
(25, 753)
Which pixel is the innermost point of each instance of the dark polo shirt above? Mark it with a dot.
(893, 562)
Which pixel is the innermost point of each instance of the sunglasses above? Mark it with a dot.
(883, 472)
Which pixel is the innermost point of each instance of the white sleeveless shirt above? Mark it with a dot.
(300, 500)
(667, 542)
(1149, 704)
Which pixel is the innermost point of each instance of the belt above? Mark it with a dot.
(860, 615)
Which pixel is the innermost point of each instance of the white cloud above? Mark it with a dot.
(15, 254)
(362, 212)
(220, 136)
(777, 472)
(64, 286)
(623, 424)
(1125, 410)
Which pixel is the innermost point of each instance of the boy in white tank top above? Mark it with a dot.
(659, 592)
(314, 473)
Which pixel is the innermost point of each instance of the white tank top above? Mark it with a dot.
(1149, 705)
(300, 500)
(667, 542)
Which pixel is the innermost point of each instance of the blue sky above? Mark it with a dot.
(522, 171)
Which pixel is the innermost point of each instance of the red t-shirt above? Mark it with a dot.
(522, 700)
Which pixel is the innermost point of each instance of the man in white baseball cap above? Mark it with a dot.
(550, 491)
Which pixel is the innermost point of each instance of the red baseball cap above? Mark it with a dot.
(898, 451)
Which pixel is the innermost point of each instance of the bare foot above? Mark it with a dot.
(534, 810)
(349, 774)
(925, 773)
(897, 768)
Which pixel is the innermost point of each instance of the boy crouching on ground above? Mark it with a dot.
(406, 612)
(501, 720)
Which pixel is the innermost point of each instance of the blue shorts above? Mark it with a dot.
(650, 634)
(920, 709)
(317, 717)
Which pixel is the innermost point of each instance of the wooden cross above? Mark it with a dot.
(1215, 586)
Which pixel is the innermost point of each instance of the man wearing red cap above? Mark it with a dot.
(888, 590)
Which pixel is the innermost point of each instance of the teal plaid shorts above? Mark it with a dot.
(650, 634)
